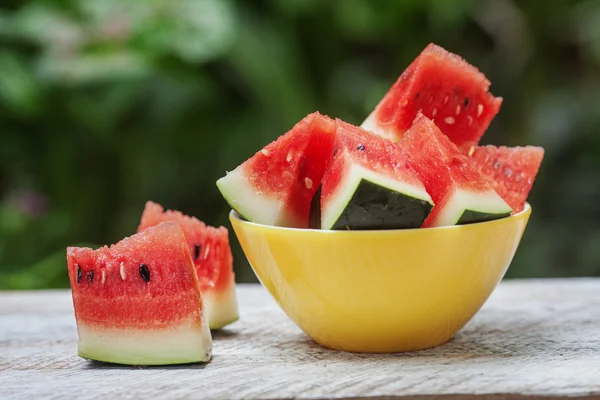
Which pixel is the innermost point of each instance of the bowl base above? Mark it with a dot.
(381, 348)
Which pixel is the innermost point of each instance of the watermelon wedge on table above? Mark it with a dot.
(138, 301)
(277, 184)
(212, 257)
(460, 194)
(369, 185)
(443, 87)
(510, 171)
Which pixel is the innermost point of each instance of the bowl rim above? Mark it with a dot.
(234, 215)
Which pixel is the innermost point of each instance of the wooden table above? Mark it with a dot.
(532, 338)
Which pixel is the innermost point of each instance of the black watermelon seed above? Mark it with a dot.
(91, 276)
(79, 273)
(466, 102)
(196, 251)
(145, 272)
(361, 147)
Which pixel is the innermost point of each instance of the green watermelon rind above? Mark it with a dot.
(183, 344)
(375, 207)
(252, 205)
(472, 216)
(487, 204)
(356, 174)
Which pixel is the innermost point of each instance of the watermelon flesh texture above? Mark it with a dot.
(138, 301)
(369, 185)
(458, 190)
(276, 186)
(510, 171)
(444, 88)
(212, 257)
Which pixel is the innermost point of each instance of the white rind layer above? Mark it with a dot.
(349, 184)
(185, 343)
(252, 205)
(462, 200)
(370, 124)
(221, 306)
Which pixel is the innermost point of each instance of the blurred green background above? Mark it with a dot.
(105, 104)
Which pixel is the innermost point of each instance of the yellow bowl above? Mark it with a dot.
(381, 291)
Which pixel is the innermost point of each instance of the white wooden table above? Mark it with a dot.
(532, 338)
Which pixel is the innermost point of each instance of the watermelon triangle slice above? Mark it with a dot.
(443, 87)
(369, 185)
(138, 302)
(276, 186)
(511, 171)
(460, 194)
(212, 257)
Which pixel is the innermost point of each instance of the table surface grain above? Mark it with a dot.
(533, 338)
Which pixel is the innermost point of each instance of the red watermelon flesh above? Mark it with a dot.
(138, 301)
(511, 171)
(212, 257)
(444, 88)
(276, 185)
(458, 190)
(368, 185)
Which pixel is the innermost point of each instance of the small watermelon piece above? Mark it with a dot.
(276, 185)
(511, 171)
(369, 185)
(459, 192)
(138, 302)
(212, 257)
(446, 89)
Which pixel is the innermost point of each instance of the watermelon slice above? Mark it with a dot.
(459, 192)
(446, 89)
(370, 186)
(212, 257)
(509, 170)
(276, 185)
(138, 301)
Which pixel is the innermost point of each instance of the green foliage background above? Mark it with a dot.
(105, 104)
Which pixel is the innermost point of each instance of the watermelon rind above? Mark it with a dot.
(186, 343)
(252, 205)
(221, 306)
(471, 217)
(366, 199)
(371, 124)
(464, 207)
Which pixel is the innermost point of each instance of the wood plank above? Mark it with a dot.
(532, 338)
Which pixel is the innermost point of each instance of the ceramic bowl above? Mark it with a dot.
(381, 291)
